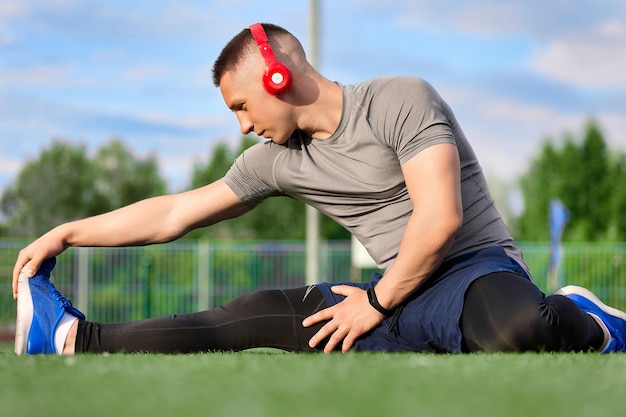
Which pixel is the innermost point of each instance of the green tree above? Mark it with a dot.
(64, 184)
(48, 191)
(587, 178)
(275, 218)
(121, 179)
(220, 161)
(543, 173)
(616, 228)
(594, 204)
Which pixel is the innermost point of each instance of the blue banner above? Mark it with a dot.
(559, 215)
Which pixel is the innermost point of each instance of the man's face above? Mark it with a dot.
(256, 110)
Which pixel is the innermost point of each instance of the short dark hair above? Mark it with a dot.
(236, 50)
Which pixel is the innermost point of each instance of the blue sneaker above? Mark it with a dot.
(613, 319)
(40, 307)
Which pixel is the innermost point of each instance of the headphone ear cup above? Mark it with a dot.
(277, 79)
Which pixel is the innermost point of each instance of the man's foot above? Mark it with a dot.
(40, 308)
(613, 319)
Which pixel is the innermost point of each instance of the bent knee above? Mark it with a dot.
(531, 329)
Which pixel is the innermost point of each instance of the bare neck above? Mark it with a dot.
(320, 114)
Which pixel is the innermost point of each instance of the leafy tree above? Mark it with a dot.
(616, 227)
(64, 184)
(121, 179)
(48, 191)
(587, 178)
(220, 162)
(543, 173)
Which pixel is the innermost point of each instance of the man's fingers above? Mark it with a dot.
(348, 341)
(23, 262)
(322, 315)
(323, 333)
(346, 321)
(344, 290)
(32, 267)
(335, 339)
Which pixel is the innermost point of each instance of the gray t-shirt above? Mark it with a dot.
(354, 176)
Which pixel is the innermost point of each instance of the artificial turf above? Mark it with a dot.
(274, 384)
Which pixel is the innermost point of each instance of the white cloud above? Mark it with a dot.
(177, 169)
(533, 18)
(507, 134)
(9, 9)
(42, 75)
(146, 71)
(9, 168)
(579, 43)
(167, 20)
(9, 165)
(596, 59)
(181, 122)
(482, 18)
(613, 125)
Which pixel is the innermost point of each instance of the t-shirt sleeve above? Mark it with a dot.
(408, 115)
(250, 177)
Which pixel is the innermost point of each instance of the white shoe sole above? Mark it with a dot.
(574, 289)
(25, 311)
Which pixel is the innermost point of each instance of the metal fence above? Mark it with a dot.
(121, 284)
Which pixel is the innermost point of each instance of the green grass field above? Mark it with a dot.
(273, 384)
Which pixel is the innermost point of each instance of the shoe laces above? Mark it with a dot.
(62, 301)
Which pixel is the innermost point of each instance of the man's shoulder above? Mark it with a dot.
(399, 81)
(394, 88)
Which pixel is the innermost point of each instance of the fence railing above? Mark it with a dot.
(121, 284)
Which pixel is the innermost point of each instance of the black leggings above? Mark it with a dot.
(502, 312)
(271, 318)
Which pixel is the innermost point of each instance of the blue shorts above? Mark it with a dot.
(429, 319)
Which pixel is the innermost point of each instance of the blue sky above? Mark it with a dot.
(514, 72)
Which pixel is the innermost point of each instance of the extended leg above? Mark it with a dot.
(505, 312)
(261, 319)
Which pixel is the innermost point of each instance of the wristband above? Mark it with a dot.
(371, 296)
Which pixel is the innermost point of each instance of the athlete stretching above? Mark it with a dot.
(386, 159)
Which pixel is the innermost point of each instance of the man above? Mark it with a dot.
(386, 159)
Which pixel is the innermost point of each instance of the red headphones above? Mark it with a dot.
(277, 77)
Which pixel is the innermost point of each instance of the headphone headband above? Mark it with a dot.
(258, 33)
(277, 77)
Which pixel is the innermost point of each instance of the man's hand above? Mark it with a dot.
(349, 319)
(33, 255)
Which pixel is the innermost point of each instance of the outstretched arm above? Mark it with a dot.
(154, 220)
